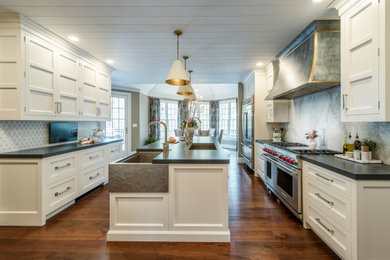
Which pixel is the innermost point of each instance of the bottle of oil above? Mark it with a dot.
(357, 142)
(350, 144)
(345, 146)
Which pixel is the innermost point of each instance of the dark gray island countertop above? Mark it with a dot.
(49, 151)
(178, 153)
(352, 170)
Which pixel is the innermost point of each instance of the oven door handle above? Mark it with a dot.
(289, 170)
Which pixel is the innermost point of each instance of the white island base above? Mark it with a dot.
(194, 210)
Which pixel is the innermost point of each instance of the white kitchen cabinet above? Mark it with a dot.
(277, 111)
(33, 190)
(365, 60)
(43, 77)
(40, 78)
(351, 216)
(259, 161)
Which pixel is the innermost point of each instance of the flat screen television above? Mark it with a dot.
(62, 132)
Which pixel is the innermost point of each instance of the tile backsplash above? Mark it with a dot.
(19, 135)
(321, 111)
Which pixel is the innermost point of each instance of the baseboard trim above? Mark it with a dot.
(169, 236)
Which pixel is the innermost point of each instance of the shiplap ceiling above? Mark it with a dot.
(224, 38)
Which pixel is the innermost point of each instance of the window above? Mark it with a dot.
(228, 118)
(203, 113)
(169, 114)
(116, 128)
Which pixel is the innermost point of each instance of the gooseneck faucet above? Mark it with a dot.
(166, 144)
(200, 124)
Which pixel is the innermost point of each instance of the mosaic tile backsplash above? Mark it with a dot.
(19, 135)
(321, 111)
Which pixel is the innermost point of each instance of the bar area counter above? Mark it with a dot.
(182, 196)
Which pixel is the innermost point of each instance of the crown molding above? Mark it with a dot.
(21, 22)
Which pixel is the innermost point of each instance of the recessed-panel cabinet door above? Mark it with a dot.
(360, 60)
(67, 85)
(89, 88)
(40, 78)
(103, 95)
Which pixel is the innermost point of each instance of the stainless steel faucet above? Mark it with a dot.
(166, 144)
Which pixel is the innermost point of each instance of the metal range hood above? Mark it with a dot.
(310, 63)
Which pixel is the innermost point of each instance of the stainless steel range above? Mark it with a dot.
(283, 172)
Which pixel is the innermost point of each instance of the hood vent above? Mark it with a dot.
(310, 63)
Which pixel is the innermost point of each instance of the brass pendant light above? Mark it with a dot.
(177, 75)
(191, 97)
(187, 89)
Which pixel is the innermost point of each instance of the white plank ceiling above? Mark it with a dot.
(224, 38)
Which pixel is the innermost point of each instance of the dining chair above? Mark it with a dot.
(220, 136)
(204, 132)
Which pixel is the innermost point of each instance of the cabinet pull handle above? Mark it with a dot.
(344, 106)
(62, 192)
(93, 177)
(60, 107)
(62, 167)
(93, 157)
(57, 107)
(113, 151)
(327, 179)
(322, 224)
(327, 201)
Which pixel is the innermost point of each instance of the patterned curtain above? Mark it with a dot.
(154, 104)
(183, 110)
(214, 116)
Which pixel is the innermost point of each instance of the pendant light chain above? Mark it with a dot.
(177, 46)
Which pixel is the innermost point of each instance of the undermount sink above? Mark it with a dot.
(140, 157)
(203, 147)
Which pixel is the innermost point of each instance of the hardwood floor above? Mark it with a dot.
(260, 229)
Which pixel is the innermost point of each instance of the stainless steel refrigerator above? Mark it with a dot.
(247, 142)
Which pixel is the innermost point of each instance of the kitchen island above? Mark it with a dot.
(182, 196)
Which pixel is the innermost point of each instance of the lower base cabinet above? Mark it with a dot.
(351, 216)
(195, 209)
(33, 190)
(259, 161)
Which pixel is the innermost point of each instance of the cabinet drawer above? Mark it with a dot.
(92, 156)
(60, 167)
(330, 180)
(90, 178)
(337, 207)
(114, 151)
(59, 194)
(337, 238)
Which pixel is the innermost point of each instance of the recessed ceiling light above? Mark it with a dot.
(73, 38)
(110, 61)
(317, 1)
(196, 90)
(259, 64)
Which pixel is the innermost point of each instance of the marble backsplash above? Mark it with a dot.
(321, 111)
(19, 135)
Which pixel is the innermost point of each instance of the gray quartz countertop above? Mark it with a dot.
(49, 151)
(350, 169)
(264, 141)
(178, 153)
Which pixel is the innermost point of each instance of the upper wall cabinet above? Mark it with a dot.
(365, 59)
(42, 79)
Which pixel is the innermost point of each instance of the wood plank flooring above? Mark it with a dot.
(260, 229)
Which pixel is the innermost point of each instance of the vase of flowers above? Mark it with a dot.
(311, 136)
(189, 125)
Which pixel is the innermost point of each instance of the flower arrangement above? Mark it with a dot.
(312, 135)
(191, 123)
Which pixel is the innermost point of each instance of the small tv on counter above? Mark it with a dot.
(60, 132)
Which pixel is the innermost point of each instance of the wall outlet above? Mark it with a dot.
(135, 125)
